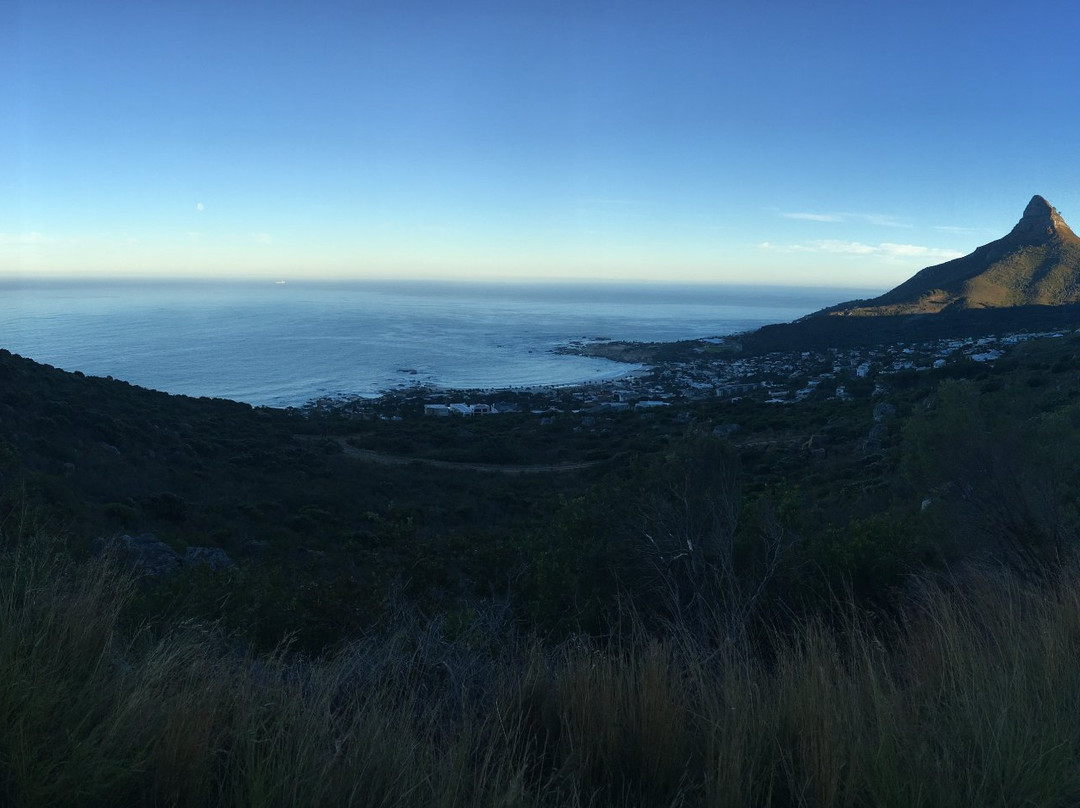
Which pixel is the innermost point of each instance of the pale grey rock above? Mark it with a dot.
(213, 557)
(145, 553)
(884, 410)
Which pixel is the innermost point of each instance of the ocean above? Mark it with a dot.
(286, 344)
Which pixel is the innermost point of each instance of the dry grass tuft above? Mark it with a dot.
(969, 698)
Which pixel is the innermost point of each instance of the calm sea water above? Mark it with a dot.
(283, 345)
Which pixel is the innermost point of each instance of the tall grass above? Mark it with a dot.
(970, 697)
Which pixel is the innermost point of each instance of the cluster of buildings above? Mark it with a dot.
(462, 409)
(781, 377)
(709, 373)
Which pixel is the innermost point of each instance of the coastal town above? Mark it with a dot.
(709, 369)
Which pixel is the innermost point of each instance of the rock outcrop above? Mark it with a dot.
(153, 558)
(147, 554)
(213, 557)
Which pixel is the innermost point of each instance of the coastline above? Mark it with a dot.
(284, 346)
(629, 374)
(615, 350)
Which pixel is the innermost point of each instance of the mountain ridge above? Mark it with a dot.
(1036, 263)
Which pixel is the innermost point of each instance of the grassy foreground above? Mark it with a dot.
(971, 697)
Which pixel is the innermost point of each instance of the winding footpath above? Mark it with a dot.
(403, 460)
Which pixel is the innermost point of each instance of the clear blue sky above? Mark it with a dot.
(827, 142)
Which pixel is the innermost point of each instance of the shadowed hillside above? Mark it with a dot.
(818, 332)
(1027, 281)
(1037, 263)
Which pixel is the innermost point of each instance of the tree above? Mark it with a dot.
(993, 469)
(691, 526)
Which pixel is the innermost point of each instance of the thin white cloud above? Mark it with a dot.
(885, 250)
(917, 250)
(814, 217)
(785, 248)
(961, 231)
(875, 219)
(843, 247)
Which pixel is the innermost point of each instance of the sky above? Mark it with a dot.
(834, 143)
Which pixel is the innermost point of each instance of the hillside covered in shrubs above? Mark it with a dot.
(860, 601)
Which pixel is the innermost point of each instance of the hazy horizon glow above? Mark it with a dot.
(842, 143)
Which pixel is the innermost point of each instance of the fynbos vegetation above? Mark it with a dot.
(866, 600)
(965, 695)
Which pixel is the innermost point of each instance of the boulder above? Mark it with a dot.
(213, 557)
(871, 446)
(884, 410)
(146, 553)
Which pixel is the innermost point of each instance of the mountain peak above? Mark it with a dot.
(1037, 263)
(1040, 220)
(1038, 206)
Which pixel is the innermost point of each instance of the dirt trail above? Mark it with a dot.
(402, 460)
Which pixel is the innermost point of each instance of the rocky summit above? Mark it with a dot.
(1037, 263)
